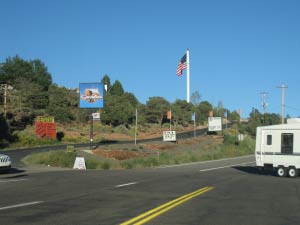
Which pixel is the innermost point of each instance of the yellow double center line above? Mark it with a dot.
(147, 216)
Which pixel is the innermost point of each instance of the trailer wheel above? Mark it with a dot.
(281, 171)
(293, 172)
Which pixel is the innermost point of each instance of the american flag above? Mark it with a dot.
(181, 65)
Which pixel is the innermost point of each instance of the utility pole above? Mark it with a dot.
(5, 88)
(5, 101)
(283, 87)
(264, 104)
(136, 124)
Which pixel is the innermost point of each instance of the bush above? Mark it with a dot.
(53, 158)
(91, 164)
(230, 139)
(121, 129)
(60, 135)
(105, 165)
(127, 164)
(70, 148)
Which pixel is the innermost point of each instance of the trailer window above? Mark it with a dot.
(269, 139)
(287, 141)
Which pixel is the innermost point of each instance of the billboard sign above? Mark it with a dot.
(214, 123)
(45, 127)
(91, 95)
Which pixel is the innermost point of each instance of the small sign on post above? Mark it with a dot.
(96, 116)
(169, 135)
(79, 163)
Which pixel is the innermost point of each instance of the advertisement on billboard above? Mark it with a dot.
(45, 126)
(214, 124)
(91, 95)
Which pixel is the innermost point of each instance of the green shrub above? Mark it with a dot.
(121, 129)
(91, 164)
(53, 158)
(230, 139)
(70, 148)
(105, 165)
(127, 164)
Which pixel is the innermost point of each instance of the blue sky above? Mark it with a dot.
(238, 48)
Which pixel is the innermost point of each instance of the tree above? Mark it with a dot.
(117, 89)
(196, 98)
(131, 99)
(156, 110)
(63, 103)
(5, 134)
(106, 81)
(41, 75)
(203, 110)
(181, 112)
(30, 81)
(234, 117)
(118, 110)
(34, 71)
(219, 110)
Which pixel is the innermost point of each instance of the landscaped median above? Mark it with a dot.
(128, 156)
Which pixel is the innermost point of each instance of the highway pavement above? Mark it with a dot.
(229, 191)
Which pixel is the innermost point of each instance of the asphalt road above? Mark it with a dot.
(234, 193)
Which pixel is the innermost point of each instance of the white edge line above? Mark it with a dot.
(20, 205)
(128, 184)
(15, 180)
(222, 167)
(203, 162)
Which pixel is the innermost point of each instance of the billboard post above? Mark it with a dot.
(91, 130)
(91, 96)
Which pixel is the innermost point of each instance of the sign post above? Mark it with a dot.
(194, 119)
(169, 117)
(91, 131)
(91, 97)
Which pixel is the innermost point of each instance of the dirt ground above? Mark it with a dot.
(123, 152)
(119, 154)
(129, 151)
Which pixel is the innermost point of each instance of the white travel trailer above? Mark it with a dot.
(278, 147)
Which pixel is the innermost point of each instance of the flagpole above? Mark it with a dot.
(188, 75)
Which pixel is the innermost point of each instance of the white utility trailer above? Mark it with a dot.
(278, 147)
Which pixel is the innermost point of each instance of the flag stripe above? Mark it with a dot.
(181, 65)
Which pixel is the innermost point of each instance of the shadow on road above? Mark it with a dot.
(254, 170)
(14, 171)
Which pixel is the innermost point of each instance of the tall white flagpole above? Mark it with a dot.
(188, 75)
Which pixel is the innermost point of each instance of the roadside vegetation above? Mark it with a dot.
(129, 156)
